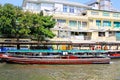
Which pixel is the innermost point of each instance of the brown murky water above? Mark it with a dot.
(61, 72)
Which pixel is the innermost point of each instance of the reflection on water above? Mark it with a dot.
(61, 72)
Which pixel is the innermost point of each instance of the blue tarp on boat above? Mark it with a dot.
(60, 51)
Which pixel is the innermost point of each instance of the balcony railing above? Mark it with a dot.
(65, 13)
(76, 37)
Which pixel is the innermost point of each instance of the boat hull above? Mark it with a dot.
(114, 57)
(58, 61)
(114, 54)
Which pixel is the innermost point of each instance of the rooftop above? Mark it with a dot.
(57, 1)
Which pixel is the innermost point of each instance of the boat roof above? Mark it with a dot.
(59, 51)
(35, 51)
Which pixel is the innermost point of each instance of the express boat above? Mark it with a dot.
(56, 57)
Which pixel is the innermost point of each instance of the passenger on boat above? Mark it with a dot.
(92, 48)
(65, 53)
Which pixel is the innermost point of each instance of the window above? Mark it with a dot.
(116, 15)
(79, 24)
(84, 33)
(65, 8)
(111, 33)
(61, 21)
(91, 20)
(62, 34)
(106, 14)
(94, 13)
(106, 23)
(98, 23)
(117, 36)
(73, 23)
(117, 24)
(71, 9)
(84, 24)
(79, 10)
(101, 34)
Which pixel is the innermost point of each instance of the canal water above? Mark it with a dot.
(61, 72)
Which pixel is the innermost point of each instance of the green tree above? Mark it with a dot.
(13, 22)
(41, 27)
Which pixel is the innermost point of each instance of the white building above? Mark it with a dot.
(101, 5)
(53, 5)
(79, 22)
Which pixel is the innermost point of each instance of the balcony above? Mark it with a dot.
(67, 15)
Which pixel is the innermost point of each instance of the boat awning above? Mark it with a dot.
(36, 51)
(59, 51)
(86, 51)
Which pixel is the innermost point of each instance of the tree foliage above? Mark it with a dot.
(11, 22)
(41, 26)
(16, 23)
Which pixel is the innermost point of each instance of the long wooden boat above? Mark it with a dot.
(55, 57)
(58, 61)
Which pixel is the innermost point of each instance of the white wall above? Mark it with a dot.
(47, 6)
(58, 7)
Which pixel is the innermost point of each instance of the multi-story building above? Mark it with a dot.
(101, 4)
(78, 22)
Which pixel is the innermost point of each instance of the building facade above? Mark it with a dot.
(78, 22)
(101, 4)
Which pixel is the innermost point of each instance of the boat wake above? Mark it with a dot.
(111, 62)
